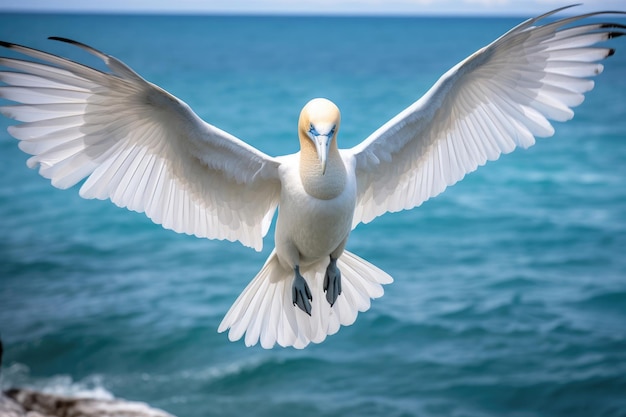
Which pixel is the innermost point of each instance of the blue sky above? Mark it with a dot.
(413, 7)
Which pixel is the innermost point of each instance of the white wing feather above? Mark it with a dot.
(137, 145)
(499, 98)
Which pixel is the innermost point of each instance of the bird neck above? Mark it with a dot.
(324, 186)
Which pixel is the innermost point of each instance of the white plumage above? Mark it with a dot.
(146, 150)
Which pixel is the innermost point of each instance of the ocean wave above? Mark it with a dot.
(19, 375)
(614, 301)
(213, 373)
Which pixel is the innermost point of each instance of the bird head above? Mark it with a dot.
(318, 126)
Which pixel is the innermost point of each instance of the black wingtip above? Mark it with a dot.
(80, 45)
(613, 35)
(6, 44)
(62, 39)
(611, 52)
(612, 26)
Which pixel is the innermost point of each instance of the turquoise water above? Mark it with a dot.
(510, 288)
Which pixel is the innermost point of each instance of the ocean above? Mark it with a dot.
(510, 288)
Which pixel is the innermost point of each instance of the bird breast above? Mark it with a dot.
(314, 225)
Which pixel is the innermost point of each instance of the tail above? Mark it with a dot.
(264, 311)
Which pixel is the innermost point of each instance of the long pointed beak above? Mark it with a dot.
(322, 143)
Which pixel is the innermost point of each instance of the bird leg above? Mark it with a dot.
(301, 293)
(332, 282)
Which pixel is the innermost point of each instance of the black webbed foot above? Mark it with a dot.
(301, 293)
(332, 282)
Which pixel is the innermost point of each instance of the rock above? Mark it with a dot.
(19, 402)
(9, 408)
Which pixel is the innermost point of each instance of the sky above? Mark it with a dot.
(352, 7)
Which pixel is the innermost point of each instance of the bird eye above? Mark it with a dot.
(312, 130)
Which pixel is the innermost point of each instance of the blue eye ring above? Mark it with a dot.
(313, 131)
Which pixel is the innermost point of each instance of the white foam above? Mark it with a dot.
(18, 375)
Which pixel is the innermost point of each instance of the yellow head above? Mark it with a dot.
(317, 129)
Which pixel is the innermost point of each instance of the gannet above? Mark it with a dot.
(146, 150)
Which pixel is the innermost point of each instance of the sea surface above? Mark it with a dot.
(510, 288)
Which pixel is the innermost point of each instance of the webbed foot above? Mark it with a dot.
(301, 292)
(332, 282)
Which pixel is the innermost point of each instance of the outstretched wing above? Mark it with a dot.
(499, 98)
(137, 145)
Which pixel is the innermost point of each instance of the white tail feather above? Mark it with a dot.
(264, 311)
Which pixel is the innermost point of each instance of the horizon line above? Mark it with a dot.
(275, 13)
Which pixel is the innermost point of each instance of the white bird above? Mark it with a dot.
(146, 150)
